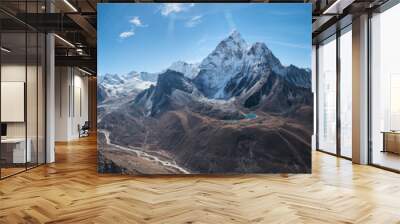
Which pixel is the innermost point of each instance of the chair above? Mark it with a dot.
(84, 130)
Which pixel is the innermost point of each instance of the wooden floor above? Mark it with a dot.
(8, 171)
(71, 191)
(387, 159)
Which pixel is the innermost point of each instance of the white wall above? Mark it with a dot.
(81, 108)
(62, 82)
(71, 102)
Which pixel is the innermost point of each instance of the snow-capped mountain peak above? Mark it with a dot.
(258, 49)
(116, 86)
(234, 59)
(235, 39)
(233, 45)
(260, 53)
(112, 79)
(187, 69)
(233, 68)
(143, 76)
(130, 75)
(221, 65)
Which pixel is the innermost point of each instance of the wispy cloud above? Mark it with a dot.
(171, 8)
(171, 25)
(288, 44)
(229, 20)
(137, 22)
(274, 41)
(194, 21)
(126, 34)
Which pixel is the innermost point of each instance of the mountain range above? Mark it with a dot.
(233, 61)
(238, 110)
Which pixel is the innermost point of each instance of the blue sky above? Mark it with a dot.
(150, 36)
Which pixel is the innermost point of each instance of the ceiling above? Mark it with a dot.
(73, 22)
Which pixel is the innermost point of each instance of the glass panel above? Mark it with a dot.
(41, 99)
(385, 84)
(23, 90)
(32, 88)
(13, 86)
(314, 85)
(346, 94)
(327, 96)
(31, 100)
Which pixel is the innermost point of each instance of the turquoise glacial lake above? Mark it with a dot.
(250, 116)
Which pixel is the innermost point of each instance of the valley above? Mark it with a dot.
(137, 160)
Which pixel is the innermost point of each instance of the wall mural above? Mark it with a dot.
(204, 88)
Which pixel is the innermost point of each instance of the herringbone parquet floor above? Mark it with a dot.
(71, 191)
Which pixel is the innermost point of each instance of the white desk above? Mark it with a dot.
(19, 153)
